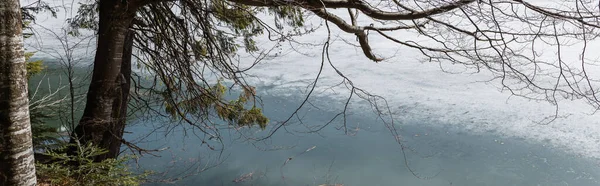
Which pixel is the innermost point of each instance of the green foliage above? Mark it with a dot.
(233, 111)
(236, 113)
(251, 117)
(26, 34)
(33, 67)
(240, 17)
(291, 15)
(87, 172)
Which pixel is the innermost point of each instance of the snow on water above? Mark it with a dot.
(417, 91)
(414, 90)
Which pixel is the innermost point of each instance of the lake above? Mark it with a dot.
(442, 155)
(458, 128)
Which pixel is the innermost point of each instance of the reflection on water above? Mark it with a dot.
(438, 156)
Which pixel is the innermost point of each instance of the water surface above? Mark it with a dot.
(444, 155)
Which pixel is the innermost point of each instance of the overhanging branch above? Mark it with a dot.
(357, 4)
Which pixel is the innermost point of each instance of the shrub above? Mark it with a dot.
(81, 169)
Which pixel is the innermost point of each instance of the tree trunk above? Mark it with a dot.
(17, 164)
(112, 138)
(101, 124)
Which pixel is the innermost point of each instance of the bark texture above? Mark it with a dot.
(17, 164)
(101, 123)
(114, 134)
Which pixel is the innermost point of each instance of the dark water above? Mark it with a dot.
(436, 155)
